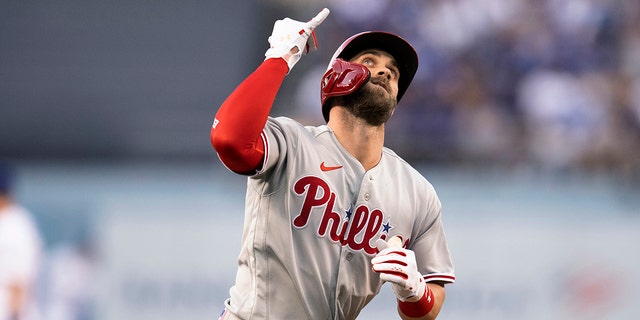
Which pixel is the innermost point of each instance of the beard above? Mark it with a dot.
(370, 103)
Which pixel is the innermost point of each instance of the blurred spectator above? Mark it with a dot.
(20, 250)
(562, 118)
(69, 284)
(551, 84)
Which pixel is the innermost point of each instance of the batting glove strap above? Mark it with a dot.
(419, 308)
(412, 293)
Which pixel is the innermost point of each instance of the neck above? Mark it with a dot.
(359, 138)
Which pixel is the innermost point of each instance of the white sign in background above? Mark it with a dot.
(173, 262)
(165, 262)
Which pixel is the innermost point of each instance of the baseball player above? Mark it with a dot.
(331, 214)
(20, 253)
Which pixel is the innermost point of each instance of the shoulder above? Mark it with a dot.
(291, 126)
(407, 175)
(287, 141)
(16, 215)
(398, 165)
(17, 222)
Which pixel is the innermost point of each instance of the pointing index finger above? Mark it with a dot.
(317, 20)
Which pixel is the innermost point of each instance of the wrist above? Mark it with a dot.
(411, 293)
(419, 308)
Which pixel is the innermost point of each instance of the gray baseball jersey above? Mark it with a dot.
(312, 218)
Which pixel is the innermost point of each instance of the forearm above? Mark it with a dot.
(239, 122)
(236, 133)
(437, 293)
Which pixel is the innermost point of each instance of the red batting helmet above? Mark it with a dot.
(343, 77)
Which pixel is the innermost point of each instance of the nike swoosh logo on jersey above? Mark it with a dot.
(326, 168)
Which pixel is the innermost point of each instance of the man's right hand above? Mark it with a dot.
(291, 39)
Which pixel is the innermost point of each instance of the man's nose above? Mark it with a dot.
(384, 72)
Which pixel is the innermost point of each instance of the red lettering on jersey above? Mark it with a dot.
(312, 185)
(365, 224)
(370, 223)
(333, 219)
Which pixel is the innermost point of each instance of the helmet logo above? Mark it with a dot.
(341, 79)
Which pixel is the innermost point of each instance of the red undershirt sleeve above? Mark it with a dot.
(237, 127)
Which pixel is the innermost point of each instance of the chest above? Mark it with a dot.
(349, 207)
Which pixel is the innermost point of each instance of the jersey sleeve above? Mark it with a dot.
(237, 130)
(430, 245)
(280, 137)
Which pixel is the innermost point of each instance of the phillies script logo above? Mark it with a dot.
(364, 224)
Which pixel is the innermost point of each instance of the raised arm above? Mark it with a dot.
(236, 133)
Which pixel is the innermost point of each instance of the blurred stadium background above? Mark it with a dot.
(525, 115)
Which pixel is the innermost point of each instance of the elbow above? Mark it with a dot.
(237, 156)
(227, 149)
(224, 142)
(220, 143)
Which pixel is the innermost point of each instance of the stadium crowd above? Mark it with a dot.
(550, 84)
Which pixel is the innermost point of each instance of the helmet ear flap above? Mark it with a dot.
(342, 78)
